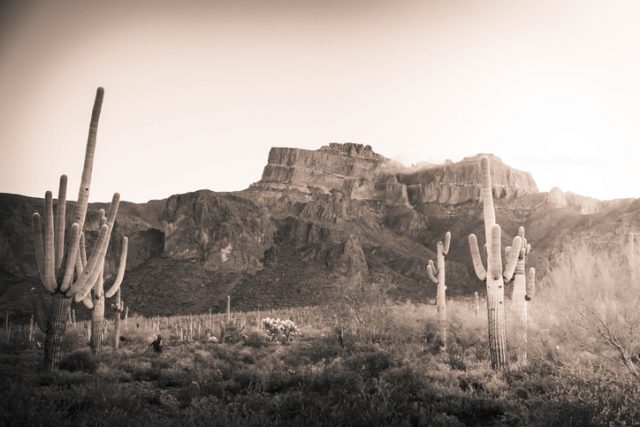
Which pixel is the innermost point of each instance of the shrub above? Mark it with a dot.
(79, 361)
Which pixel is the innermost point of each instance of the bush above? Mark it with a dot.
(79, 361)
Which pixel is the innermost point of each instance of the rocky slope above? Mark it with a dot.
(314, 221)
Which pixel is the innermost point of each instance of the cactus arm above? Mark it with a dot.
(528, 248)
(434, 270)
(521, 231)
(447, 243)
(494, 261)
(80, 212)
(92, 268)
(512, 258)
(477, 259)
(40, 312)
(431, 273)
(98, 287)
(49, 247)
(81, 257)
(72, 252)
(87, 302)
(61, 209)
(83, 250)
(39, 245)
(531, 284)
(90, 273)
(488, 209)
(122, 265)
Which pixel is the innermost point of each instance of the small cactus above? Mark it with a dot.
(437, 276)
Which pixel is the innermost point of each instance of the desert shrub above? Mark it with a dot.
(590, 307)
(255, 339)
(369, 362)
(79, 361)
(364, 310)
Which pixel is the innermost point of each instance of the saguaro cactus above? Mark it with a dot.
(494, 275)
(437, 276)
(118, 308)
(56, 266)
(519, 298)
(95, 301)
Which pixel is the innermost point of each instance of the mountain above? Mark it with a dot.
(316, 219)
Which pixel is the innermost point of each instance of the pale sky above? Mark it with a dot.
(197, 92)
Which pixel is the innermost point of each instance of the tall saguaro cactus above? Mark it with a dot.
(56, 266)
(95, 301)
(493, 275)
(437, 276)
(520, 298)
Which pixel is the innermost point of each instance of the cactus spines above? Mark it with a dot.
(494, 275)
(55, 267)
(437, 276)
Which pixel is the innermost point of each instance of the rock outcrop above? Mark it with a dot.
(361, 174)
(557, 199)
(224, 231)
(455, 183)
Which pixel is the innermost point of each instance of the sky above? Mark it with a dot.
(196, 92)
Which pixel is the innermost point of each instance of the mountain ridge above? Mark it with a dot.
(315, 219)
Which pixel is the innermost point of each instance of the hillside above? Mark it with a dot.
(315, 219)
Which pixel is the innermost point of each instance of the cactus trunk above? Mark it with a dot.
(116, 322)
(519, 315)
(56, 326)
(441, 300)
(495, 311)
(97, 320)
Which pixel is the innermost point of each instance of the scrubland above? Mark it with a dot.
(367, 361)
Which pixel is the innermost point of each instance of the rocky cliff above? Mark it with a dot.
(359, 173)
(315, 219)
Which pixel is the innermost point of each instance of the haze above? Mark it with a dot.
(197, 92)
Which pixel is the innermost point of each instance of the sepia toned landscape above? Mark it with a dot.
(319, 213)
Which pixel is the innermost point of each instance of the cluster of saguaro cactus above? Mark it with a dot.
(494, 275)
(62, 273)
(437, 276)
(523, 291)
(95, 299)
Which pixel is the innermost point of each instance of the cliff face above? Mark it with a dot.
(223, 231)
(314, 220)
(359, 173)
(455, 183)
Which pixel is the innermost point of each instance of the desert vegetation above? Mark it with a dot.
(391, 371)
